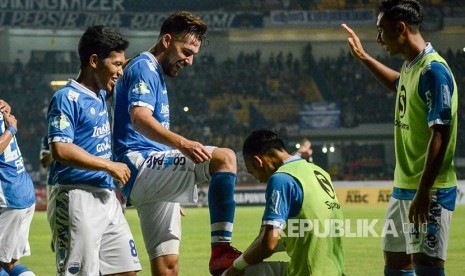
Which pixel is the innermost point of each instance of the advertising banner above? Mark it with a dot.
(119, 14)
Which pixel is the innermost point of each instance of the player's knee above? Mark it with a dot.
(398, 260)
(223, 159)
(425, 260)
(165, 266)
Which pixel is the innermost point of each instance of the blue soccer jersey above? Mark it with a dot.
(16, 187)
(142, 84)
(284, 198)
(77, 115)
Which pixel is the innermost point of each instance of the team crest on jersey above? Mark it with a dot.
(73, 96)
(74, 267)
(60, 122)
(92, 111)
(141, 88)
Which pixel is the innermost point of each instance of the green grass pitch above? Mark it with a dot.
(363, 255)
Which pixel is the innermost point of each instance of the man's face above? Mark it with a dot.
(108, 70)
(179, 54)
(388, 35)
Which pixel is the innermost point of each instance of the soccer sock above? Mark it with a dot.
(222, 206)
(3, 272)
(388, 271)
(423, 270)
(21, 270)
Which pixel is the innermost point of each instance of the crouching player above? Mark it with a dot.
(297, 190)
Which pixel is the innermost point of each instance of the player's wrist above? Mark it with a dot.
(12, 129)
(240, 263)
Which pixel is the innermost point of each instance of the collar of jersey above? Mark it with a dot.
(81, 88)
(427, 50)
(154, 60)
(292, 158)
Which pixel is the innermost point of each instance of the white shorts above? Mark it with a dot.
(90, 232)
(167, 176)
(14, 233)
(430, 239)
(165, 179)
(267, 269)
(161, 228)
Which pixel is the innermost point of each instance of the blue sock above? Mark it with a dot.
(3, 272)
(222, 206)
(21, 270)
(423, 270)
(388, 271)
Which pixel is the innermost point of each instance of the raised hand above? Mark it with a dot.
(354, 43)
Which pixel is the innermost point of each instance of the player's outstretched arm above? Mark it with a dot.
(143, 122)
(384, 74)
(74, 156)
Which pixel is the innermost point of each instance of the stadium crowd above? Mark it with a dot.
(237, 95)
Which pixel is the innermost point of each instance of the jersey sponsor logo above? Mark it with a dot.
(141, 88)
(325, 184)
(102, 130)
(178, 163)
(73, 96)
(402, 102)
(332, 205)
(398, 123)
(60, 122)
(102, 113)
(106, 145)
(446, 99)
(165, 109)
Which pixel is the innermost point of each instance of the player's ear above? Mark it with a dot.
(401, 27)
(258, 161)
(166, 40)
(93, 60)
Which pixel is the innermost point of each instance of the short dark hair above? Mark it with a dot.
(100, 40)
(261, 141)
(408, 11)
(181, 24)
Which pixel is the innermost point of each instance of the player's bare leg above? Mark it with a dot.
(165, 265)
(397, 261)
